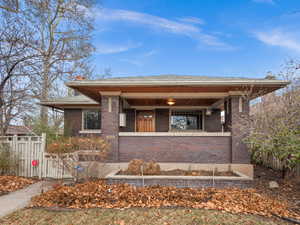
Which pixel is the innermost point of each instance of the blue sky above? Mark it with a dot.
(244, 38)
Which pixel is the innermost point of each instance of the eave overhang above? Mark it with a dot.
(93, 89)
(162, 87)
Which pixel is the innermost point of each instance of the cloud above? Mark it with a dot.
(191, 19)
(140, 59)
(279, 38)
(113, 49)
(146, 19)
(150, 53)
(132, 61)
(264, 1)
(166, 25)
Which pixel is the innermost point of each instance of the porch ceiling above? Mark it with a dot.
(179, 102)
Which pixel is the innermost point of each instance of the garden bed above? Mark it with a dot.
(141, 173)
(13, 183)
(183, 178)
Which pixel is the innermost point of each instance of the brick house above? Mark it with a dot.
(169, 119)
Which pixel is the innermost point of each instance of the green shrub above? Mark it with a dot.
(281, 143)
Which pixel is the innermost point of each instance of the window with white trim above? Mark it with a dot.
(91, 119)
(186, 120)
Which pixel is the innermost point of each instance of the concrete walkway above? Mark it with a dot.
(21, 198)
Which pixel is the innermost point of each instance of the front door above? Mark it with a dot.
(145, 121)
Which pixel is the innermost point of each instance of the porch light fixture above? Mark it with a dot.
(208, 112)
(171, 101)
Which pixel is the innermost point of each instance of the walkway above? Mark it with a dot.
(21, 198)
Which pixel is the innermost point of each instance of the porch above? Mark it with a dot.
(170, 127)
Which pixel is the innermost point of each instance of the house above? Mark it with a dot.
(18, 130)
(170, 119)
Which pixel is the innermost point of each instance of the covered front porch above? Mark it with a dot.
(174, 127)
(172, 112)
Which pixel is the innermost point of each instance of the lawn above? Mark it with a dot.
(135, 216)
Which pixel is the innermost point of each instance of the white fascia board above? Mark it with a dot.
(182, 82)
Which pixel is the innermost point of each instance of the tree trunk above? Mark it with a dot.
(2, 127)
(45, 92)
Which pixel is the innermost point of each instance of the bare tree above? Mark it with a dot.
(62, 39)
(17, 102)
(16, 60)
(10, 5)
(45, 43)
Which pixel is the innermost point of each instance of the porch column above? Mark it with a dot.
(110, 104)
(238, 125)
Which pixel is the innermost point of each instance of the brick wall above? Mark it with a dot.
(162, 120)
(72, 121)
(239, 130)
(110, 123)
(212, 123)
(130, 121)
(175, 149)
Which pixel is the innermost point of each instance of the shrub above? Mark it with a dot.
(70, 151)
(139, 167)
(73, 144)
(151, 168)
(135, 167)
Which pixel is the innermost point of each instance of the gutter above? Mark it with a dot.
(179, 83)
(66, 103)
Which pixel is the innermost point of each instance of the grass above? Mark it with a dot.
(137, 216)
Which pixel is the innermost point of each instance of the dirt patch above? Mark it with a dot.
(13, 183)
(179, 172)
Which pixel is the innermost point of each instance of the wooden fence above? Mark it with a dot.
(274, 163)
(27, 149)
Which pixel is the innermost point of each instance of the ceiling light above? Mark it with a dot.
(208, 112)
(171, 101)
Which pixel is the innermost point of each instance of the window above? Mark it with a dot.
(91, 120)
(186, 120)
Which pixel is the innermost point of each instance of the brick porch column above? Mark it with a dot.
(110, 105)
(238, 125)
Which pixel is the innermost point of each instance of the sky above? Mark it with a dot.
(236, 38)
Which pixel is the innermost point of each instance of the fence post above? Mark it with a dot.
(41, 161)
(14, 144)
(15, 150)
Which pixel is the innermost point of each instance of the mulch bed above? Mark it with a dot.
(98, 194)
(179, 172)
(13, 183)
